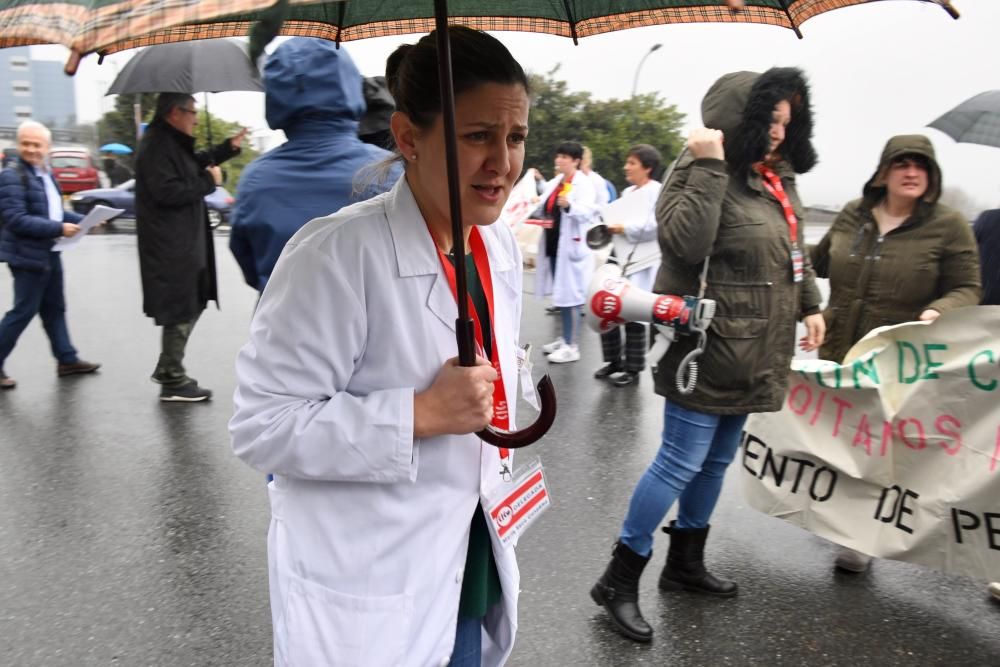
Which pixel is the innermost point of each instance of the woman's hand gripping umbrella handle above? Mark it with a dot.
(526, 436)
(465, 335)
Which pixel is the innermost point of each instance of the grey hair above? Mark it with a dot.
(34, 125)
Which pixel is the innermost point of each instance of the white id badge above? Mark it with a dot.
(797, 265)
(516, 507)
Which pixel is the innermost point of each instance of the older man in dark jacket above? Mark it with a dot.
(176, 255)
(32, 214)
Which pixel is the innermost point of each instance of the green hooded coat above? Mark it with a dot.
(720, 209)
(929, 261)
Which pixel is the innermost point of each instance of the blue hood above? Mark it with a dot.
(309, 78)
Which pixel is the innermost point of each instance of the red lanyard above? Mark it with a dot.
(501, 415)
(773, 184)
(562, 188)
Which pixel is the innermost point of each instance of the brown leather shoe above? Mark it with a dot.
(7, 382)
(77, 368)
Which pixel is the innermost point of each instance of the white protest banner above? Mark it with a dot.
(896, 452)
(522, 201)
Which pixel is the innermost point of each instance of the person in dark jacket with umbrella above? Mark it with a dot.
(314, 93)
(733, 205)
(176, 255)
(33, 218)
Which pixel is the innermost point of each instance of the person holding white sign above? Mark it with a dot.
(731, 212)
(641, 163)
(350, 394)
(33, 218)
(895, 255)
(565, 262)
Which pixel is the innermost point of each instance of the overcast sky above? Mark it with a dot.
(877, 70)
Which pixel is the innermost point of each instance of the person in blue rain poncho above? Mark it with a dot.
(313, 93)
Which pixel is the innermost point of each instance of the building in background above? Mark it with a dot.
(37, 90)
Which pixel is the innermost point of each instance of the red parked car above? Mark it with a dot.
(74, 170)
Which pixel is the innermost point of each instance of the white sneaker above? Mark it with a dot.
(852, 561)
(564, 354)
(995, 589)
(557, 344)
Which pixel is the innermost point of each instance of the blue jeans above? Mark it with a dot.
(468, 649)
(690, 465)
(570, 322)
(38, 293)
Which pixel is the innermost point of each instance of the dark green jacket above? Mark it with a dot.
(929, 261)
(719, 209)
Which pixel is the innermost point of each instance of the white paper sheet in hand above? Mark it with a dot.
(97, 215)
(620, 212)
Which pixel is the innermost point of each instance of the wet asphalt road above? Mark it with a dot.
(130, 534)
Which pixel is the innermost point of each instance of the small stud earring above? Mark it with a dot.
(413, 157)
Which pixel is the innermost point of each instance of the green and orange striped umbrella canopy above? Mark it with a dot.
(106, 26)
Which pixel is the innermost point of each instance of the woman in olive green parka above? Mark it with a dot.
(731, 200)
(897, 254)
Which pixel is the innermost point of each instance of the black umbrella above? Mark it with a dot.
(200, 66)
(974, 121)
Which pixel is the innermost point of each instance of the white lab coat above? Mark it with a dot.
(370, 527)
(601, 194)
(574, 259)
(642, 230)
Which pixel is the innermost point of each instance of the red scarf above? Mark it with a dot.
(550, 203)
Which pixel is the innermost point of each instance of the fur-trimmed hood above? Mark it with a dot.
(740, 104)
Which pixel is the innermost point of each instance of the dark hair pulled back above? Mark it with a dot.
(647, 156)
(570, 149)
(476, 58)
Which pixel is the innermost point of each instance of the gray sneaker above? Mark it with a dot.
(850, 560)
(185, 393)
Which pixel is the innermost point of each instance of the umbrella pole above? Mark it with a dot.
(208, 126)
(464, 331)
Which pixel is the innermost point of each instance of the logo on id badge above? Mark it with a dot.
(519, 505)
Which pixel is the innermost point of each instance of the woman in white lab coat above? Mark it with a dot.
(622, 367)
(349, 393)
(565, 263)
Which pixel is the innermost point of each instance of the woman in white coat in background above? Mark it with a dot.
(350, 395)
(565, 263)
(622, 367)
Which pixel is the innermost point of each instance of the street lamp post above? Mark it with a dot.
(635, 80)
(635, 84)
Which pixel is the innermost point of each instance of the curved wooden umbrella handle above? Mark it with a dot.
(531, 434)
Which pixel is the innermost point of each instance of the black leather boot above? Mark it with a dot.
(618, 591)
(685, 568)
(608, 369)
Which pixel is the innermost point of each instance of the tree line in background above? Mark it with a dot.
(118, 126)
(609, 127)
